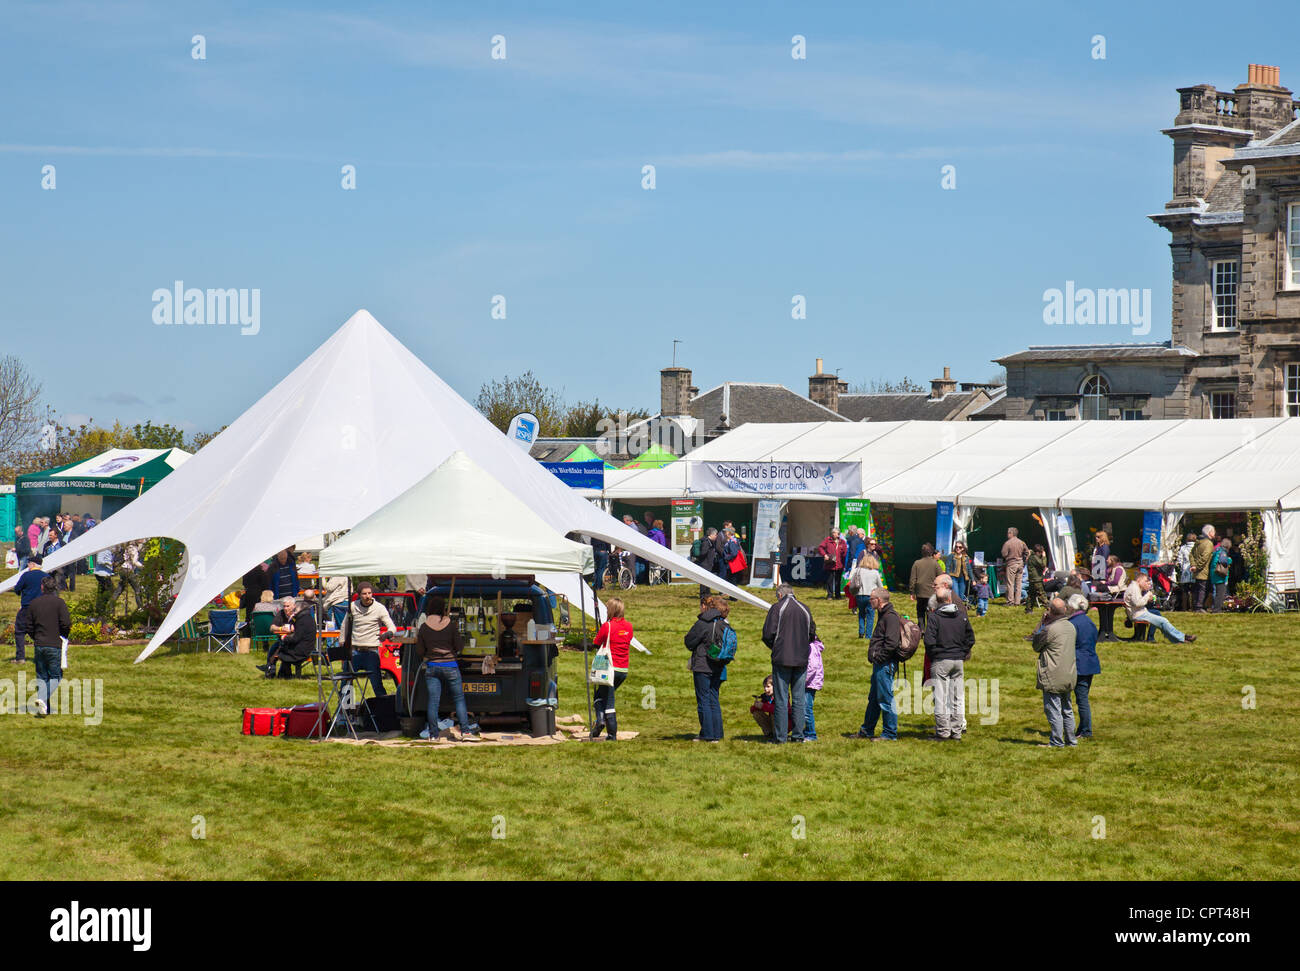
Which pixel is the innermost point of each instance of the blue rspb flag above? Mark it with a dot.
(943, 526)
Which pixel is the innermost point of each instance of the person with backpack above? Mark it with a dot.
(617, 632)
(709, 638)
(734, 558)
(865, 578)
(1036, 566)
(1220, 570)
(883, 653)
(788, 631)
(704, 551)
(948, 642)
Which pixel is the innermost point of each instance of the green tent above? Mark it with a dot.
(655, 457)
(584, 454)
(100, 485)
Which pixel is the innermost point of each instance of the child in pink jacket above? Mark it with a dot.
(815, 677)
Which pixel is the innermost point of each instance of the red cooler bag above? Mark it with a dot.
(264, 721)
(307, 721)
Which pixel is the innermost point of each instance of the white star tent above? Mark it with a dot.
(320, 452)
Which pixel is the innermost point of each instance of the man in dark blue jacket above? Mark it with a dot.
(28, 588)
(1085, 659)
(282, 575)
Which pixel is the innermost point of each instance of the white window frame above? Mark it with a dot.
(1102, 395)
(1216, 406)
(1132, 414)
(1223, 291)
(1291, 391)
(1291, 243)
(1056, 414)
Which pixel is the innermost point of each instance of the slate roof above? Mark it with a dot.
(1226, 194)
(1290, 135)
(905, 406)
(1098, 352)
(558, 449)
(737, 403)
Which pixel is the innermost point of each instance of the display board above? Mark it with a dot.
(687, 526)
(767, 542)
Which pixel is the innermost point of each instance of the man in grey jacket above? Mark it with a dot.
(787, 631)
(1057, 673)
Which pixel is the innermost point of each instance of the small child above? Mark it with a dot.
(815, 678)
(763, 707)
(981, 593)
(305, 564)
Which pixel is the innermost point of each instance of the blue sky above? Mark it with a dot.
(522, 177)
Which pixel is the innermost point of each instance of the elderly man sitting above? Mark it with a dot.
(298, 638)
(1137, 598)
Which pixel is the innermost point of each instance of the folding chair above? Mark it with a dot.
(262, 636)
(189, 632)
(223, 630)
(1283, 583)
(344, 693)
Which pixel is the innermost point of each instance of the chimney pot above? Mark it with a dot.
(947, 374)
(819, 365)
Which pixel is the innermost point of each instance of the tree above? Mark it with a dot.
(502, 400)
(884, 386)
(150, 435)
(584, 419)
(20, 408)
(202, 438)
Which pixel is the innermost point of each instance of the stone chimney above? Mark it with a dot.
(944, 385)
(1212, 124)
(675, 392)
(1263, 105)
(825, 389)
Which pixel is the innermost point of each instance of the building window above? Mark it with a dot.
(1223, 404)
(1225, 294)
(1293, 390)
(1292, 281)
(1056, 414)
(1094, 397)
(1132, 414)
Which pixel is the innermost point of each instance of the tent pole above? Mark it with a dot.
(586, 663)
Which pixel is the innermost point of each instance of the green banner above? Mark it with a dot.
(855, 512)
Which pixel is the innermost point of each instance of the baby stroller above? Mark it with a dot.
(1163, 585)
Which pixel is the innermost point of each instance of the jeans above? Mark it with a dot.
(959, 588)
(948, 689)
(1081, 688)
(789, 692)
(707, 705)
(49, 671)
(866, 616)
(435, 676)
(1015, 571)
(881, 702)
(1161, 623)
(981, 606)
(1060, 718)
(810, 725)
(366, 661)
(602, 564)
(605, 697)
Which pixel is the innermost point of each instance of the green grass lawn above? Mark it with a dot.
(1190, 785)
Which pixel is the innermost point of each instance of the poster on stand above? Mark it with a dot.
(855, 512)
(688, 526)
(767, 542)
(943, 527)
(1152, 528)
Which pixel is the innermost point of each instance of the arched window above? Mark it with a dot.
(1094, 397)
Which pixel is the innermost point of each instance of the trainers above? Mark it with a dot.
(41, 709)
(1190, 638)
(862, 734)
(473, 736)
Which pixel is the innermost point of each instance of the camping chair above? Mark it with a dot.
(189, 632)
(347, 690)
(262, 636)
(1283, 584)
(223, 630)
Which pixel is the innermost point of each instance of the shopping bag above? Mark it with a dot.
(602, 666)
(738, 562)
(11, 560)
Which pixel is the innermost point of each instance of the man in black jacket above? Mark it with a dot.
(882, 652)
(708, 556)
(948, 642)
(787, 631)
(47, 620)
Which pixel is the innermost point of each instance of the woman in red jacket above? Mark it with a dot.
(617, 632)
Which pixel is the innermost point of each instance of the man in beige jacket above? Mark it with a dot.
(1054, 642)
(1014, 552)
